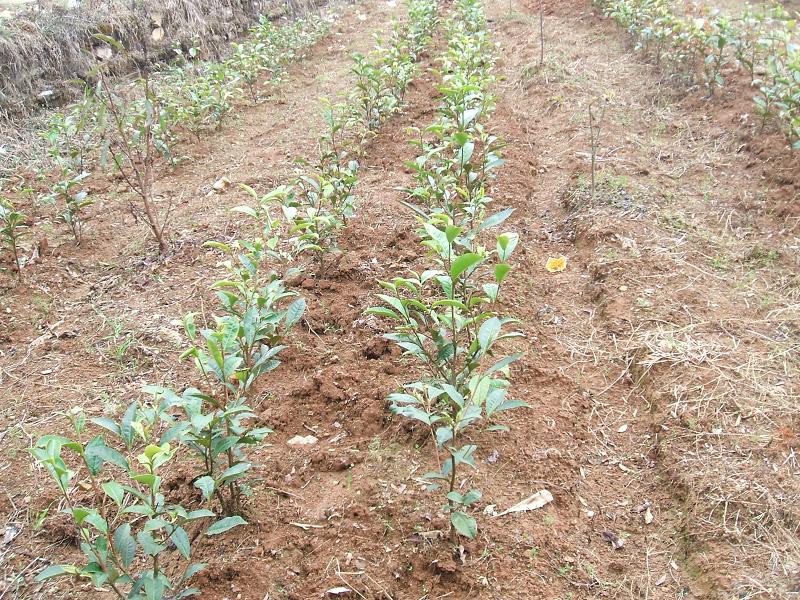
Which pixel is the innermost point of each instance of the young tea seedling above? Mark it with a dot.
(135, 133)
(75, 201)
(12, 230)
(127, 528)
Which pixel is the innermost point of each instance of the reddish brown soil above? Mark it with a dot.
(661, 365)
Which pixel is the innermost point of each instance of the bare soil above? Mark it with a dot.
(661, 365)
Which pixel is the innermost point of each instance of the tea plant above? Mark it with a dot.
(318, 203)
(455, 167)
(445, 321)
(135, 126)
(75, 201)
(230, 358)
(72, 134)
(317, 209)
(127, 529)
(247, 63)
(197, 102)
(135, 133)
(13, 228)
(383, 76)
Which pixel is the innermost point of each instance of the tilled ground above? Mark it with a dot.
(660, 366)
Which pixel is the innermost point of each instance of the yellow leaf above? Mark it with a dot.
(554, 265)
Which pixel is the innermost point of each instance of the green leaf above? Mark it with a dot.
(56, 571)
(500, 271)
(506, 244)
(295, 312)
(412, 412)
(206, 485)
(464, 524)
(126, 425)
(192, 570)
(382, 311)
(154, 586)
(114, 491)
(91, 455)
(106, 423)
(496, 219)
(112, 456)
(455, 497)
(149, 545)
(200, 513)
(464, 262)
(503, 363)
(124, 544)
(245, 210)
(234, 472)
(181, 541)
(488, 332)
(452, 232)
(471, 497)
(225, 524)
(97, 521)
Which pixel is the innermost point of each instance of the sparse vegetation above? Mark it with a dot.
(763, 40)
(313, 391)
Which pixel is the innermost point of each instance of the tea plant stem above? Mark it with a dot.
(87, 538)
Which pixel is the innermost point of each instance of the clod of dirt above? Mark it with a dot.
(448, 566)
(376, 348)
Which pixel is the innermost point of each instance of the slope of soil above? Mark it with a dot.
(661, 365)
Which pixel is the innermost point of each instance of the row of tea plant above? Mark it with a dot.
(449, 318)
(764, 41)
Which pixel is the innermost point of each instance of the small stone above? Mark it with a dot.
(303, 440)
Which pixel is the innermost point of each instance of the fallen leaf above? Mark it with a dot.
(537, 500)
(661, 580)
(221, 184)
(11, 532)
(554, 265)
(306, 526)
(613, 539)
(428, 536)
(623, 428)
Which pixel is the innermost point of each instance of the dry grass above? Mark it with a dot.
(46, 49)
